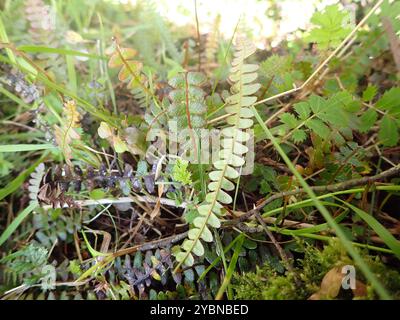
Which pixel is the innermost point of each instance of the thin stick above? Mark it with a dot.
(146, 199)
(329, 188)
(278, 247)
(152, 245)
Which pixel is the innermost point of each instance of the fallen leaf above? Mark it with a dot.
(330, 285)
(104, 130)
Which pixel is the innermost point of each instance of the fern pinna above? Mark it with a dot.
(231, 156)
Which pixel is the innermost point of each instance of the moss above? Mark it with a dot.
(389, 277)
(317, 263)
(267, 284)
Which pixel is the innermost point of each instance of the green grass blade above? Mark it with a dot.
(17, 221)
(218, 259)
(308, 202)
(220, 247)
(96, 268)
(92, 251)
(61, 51)
(231, 268)
(18, 181)
(327, 238)
(87, 106)
(25, 147)
(320, 227)
(380, 230)
(72, 78)
(13, 97)
(4, 39)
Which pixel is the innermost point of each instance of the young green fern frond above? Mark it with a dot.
(231, 156)
(67, 134)
(187, 106)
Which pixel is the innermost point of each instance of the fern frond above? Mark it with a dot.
(141, 97)
(131, 72)
(187, 106)
(35, 180)
(231, 157)
(208, 57)
(67, 133)
(71, 114)
(41, 27)
(42, 31)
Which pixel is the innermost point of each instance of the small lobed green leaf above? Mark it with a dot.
(367, 120)
(331, 27)
(369, 93)
(320, 128)
(213, 221)
(303, 110)
(388, 132)
(206, 235)
(299, 136)
(390, 101)
(289, 119)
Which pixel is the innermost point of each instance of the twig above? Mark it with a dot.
(272, 220)
(278, 247)
(146, 199)
(152, 245)
(329, 188)
(275, 164)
